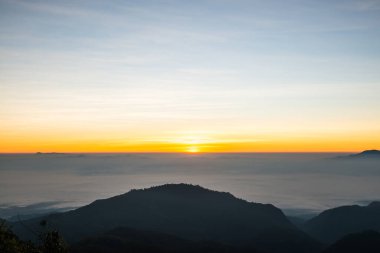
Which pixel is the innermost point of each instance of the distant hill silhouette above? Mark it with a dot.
(50, 153)
(367, 241)
(122, 240)
(367, 154)
(186, 211)
(335, 223)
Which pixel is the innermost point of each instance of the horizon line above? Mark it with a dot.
(184, 152)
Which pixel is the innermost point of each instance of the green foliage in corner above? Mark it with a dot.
(49, 242)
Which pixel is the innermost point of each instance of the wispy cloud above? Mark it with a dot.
(12, 211)
(362, 5)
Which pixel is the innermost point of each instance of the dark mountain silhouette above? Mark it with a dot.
(335, 223)
(367, 241)
(367, 154)
(122, 240)
(187, 211)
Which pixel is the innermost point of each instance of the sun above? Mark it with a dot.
(192, 149)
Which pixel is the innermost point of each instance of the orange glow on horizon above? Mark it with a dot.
(33, 145)
(192, 149)
(145, 141)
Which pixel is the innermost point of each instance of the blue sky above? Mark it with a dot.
(216, 69)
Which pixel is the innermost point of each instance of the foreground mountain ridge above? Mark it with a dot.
(187, 211)
(189, 218)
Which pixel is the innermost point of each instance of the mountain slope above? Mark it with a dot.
(335, 223)
(186, 211)
(367, 241)
(121, 240)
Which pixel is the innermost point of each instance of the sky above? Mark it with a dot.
(189, 76)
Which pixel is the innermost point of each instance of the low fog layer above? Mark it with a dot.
(297, 183)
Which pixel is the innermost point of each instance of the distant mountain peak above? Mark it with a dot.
(371, 153)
